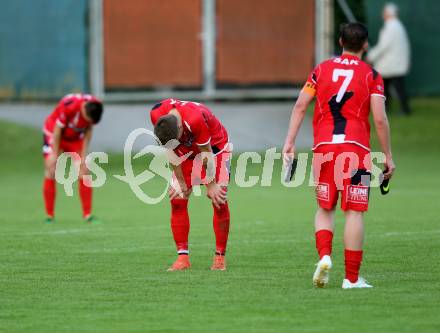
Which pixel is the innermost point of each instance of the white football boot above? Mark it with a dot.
(320, 277)
(360, 283)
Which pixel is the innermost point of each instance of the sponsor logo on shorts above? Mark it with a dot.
(357, 194)
(322, 191)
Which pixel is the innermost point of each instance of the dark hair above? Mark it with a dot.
(166, 128)
(94, 111)
(353, 36)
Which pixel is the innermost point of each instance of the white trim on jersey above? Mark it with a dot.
(59, 123)
(187, 125)
(337, 143)
(47, 132)
(203, 144)
(383, 96)
(226, 147)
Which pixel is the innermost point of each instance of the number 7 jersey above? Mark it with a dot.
(343, 87)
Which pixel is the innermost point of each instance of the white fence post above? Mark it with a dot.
(96, 48)
(209, 46)
(323, 30)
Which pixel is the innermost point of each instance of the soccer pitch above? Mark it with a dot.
(111, 277)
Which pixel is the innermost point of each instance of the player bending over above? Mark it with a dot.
(346, 89)
(196, 130)
(69, 129)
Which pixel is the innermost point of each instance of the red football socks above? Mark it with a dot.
(324, 240)
(221, 227)
(49, 193)
(353, 261)
(180, 224)
(85, 194)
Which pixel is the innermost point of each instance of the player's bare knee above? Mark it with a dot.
(325, 210)
(49, 172)
(354, 217)
(351, 212)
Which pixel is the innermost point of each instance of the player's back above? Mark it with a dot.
(343, 87)
(200, 125)
(67, 114)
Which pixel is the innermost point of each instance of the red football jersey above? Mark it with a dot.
(200, 126)
(67, 115)
(343, 87)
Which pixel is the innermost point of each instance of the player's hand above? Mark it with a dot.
(217, 194)
(288, 153)
(390, 166)
(178, 189)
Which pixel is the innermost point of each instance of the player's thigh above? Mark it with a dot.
(323, 171)
(223, 168)
(75, 149)
(187, 171)
(356, 191)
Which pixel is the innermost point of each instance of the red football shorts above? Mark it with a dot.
(74, 146)
(195, 174)
(342, 168)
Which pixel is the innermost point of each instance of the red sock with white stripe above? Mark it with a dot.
(353, 260)
(324, 239)
(49, 193)
(180, 224)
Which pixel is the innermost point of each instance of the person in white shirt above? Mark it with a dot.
(391, 55)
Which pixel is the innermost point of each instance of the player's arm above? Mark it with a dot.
(56, 140)
(296, 119)
(56, 143)
(179, 190)
(202, 138)
(86, 142)
(215, 192)
(383, 132)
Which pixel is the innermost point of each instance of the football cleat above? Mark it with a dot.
(360, 283)
(91, 219)
(219, 263)
(320, 277)
(49, 220)
(180, 264)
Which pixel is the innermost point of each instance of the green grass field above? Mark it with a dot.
(72, 277)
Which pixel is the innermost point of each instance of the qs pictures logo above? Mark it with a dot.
(158, 167)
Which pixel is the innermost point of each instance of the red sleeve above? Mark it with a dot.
(311, 83)
(376, 85)
(199, 128)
